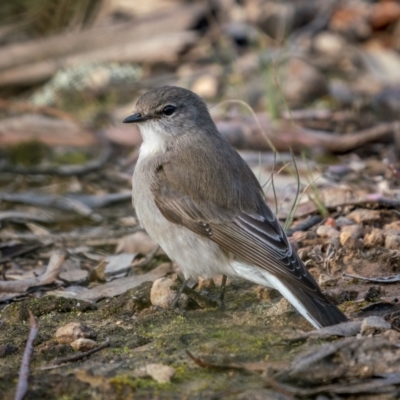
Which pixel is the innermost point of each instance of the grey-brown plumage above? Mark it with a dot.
(200, 201)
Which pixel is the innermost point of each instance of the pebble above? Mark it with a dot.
(329, 43)
(303, 82)
(162, 295)
(374, 239)
(393, 225)
(392, 242)
(73, 331)
(356, 230)
(350, 241)
(326, 231)
(325, 280)
(392, 335)
(282, 307)
(374, 325)
(343, 221)
(363, 215)
(298, 236)
(266, 293)
(374, 293)
(206, 86)
(83, 344)
(160, 373)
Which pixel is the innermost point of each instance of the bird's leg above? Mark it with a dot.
(179, 293)
(223, 289)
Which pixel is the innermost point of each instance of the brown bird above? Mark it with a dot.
(201, 202)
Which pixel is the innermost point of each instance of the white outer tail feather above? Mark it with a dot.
(262, 277)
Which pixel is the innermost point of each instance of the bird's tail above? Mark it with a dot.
(318, 313)
(318, 310)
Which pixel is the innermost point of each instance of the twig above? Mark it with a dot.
(382, 279)
(63, 170)
(29, 107)
(23, 250)
(49, 276)
(23, 377)
(77, 357)
(91, 238)
(305, 225)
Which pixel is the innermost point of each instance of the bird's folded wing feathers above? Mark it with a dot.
(254, 237)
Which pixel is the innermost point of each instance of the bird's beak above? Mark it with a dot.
(134, 118)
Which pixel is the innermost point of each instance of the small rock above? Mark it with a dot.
(392, 242)
(327, 280)
(282, 307)
(205, 284)
(72, 331)
(343, 296)
(83, 344)
(373, 294)
(325, 231)
(357, 230)
(266, 293)
(343, 221)
(392, 226)
(374, 239)
(302, 82)
(160, 373)
(364, 216)
(329, 43)
(374, 325)
(298, 236)
(162, 295)
(330, 222)
(392, 335)
(349, 241)
(206, 86)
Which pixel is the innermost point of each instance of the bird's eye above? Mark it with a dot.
(168, 110)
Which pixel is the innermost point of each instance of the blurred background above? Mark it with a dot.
(319, 79)
(315, 82)
(308, 91)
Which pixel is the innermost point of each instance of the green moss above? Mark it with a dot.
(72, 158)
(19, 312)
(139, 383)
(29, 153)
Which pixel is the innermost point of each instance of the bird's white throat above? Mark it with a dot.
(153, 138)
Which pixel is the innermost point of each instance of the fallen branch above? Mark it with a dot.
(31, 108)
(305, 225)
(382, 279)
(77, 357)
(49, 276)
(22, 387)
(244, 133)
(63, 170)
(23, 250)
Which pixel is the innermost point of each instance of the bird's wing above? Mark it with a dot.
(250, 231)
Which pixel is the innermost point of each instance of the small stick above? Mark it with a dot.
(22, 387)
(77, 357)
